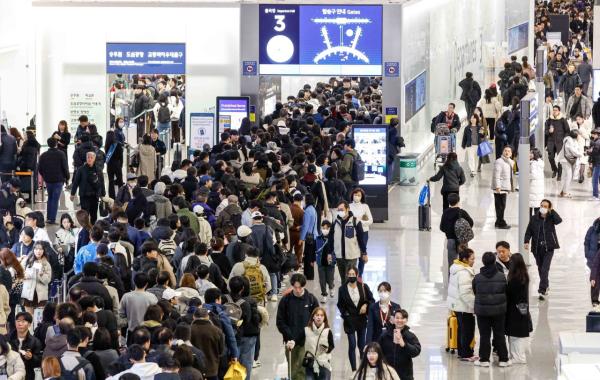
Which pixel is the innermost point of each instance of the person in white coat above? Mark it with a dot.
(502, 184)
(584, 127)
(361, 211)
(461, 301)
(536, 180)
(569, 158)
(14, 368)
(492, 110)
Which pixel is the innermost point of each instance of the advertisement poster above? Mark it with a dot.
(320, 39)
(415, 95)
(231, 111)
(518, 37)
(202, 127)
(145, 58)
(371, 144)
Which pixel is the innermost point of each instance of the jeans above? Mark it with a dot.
(274, 283)
(361, 263)
(543, 259)
(595, 180)
(309, 259)
(90, 204)
(54, 191)
(487, 325)
(163, 127)
(500, 205)
(326, 275)
(324, 374)
(246, 346)
(357, 337)
(343, 265)
(466, 332)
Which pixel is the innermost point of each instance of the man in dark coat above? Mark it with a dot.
(90, 182)
(54, 170)
(489, 287)
(8, 153)
(208, 338)
(449, 117)
(22, 341)
(471, 92)
(556, 129)
(596, 114)
(400, 345)
(92, 286)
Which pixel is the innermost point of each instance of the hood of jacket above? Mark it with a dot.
(145, 369)
(233, 208)
(159, 198)
(489, 271)
(460, 266)
(560, 116)
(56, 343)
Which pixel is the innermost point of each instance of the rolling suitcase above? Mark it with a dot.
(425, 210)
(592, 322)
(452, 334)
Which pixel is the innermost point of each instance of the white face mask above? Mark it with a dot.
(325, 232)
(121, 125)
(384, 296)
(356, 198)
(341, 214)
(543, 210)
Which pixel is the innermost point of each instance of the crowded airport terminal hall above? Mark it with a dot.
(299, 190)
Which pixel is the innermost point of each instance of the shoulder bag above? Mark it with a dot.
(309, 357)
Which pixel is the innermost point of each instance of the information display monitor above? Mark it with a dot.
(231, 110)
(415, 95)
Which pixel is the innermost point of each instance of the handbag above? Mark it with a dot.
(484, 148)
(571, 160)
(523, 308)
(309, 358)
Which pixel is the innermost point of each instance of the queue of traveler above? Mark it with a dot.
(170, 271)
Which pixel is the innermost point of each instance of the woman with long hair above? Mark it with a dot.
(361, 211)
(66, 238)
(9, 261)
(518, 319)
(37, 276)
(114, 162)
(472, 137)
(453, 175)
(318, 344)
(14, 132)
(11, 361)
(536, 180)
(491, 110)
(373, 365)
(147, 160)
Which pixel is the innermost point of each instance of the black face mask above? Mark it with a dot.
(352, 280)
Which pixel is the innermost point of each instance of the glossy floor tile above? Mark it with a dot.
(412, 262)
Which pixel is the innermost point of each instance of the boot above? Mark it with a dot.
(559, 173)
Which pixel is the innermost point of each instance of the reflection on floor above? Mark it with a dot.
(412, 262)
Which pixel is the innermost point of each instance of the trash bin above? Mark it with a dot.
(408, 169)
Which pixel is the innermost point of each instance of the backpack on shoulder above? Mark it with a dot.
(257, 281)
(72, 374)
(357, 173)
(234, 311)
(463, 230)
(164, 114)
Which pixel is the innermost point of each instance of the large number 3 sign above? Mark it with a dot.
(279, 23)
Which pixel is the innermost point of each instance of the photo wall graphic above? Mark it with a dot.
(320, 40)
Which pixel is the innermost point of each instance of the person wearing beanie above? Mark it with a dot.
(162, 203)
(489, 287)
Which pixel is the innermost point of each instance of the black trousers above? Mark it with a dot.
(552, 152)
(466, 332)
(543, 259)
(445, 198)
(90, 204)
(487, 326)
(595, 293)
(115, 178)
(500, 205)
(470, 108)
(309, 259)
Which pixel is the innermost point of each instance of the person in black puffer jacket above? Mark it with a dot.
(400, 345)
(453, 175)
(541, 230)
(489, 287)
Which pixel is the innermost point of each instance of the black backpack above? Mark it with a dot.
(72, 374)
(164, 114)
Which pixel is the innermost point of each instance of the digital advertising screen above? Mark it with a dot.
(320, 39)
(518, 37)
(415, 95)
(231, 111)
(371, 144)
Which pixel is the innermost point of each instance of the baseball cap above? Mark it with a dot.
(243, 231)
(257, 215)
(169, 294)
(198, 210)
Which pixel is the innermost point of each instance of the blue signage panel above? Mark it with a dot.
(518, 37)
(391, 111)
(145, 58)
(320, 39)
(392, 69)
(249, 68)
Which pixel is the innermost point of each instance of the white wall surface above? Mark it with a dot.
(72, 43)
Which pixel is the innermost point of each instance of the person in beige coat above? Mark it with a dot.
(4, 309)
(38, 274)
(11, 360)
(147, 155)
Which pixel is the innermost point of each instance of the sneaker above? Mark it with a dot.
(470, 360)
(323, 299)
(507, 363)
(331, 293)
(594, 199)
(274, 298)
(481, 364)
(596, 308)
(51, 222)
(541, 297)
(256, 364)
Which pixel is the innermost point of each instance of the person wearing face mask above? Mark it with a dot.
(361, 211)
(325, 258)
(354, 299)
(38, 274)
(461, 301)
(346, 239)
(569, 158)
(541, 231)
(317, 341)
(400, 345)
(124, 194)
(294, 312)
(380, 313)
(373, 365)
